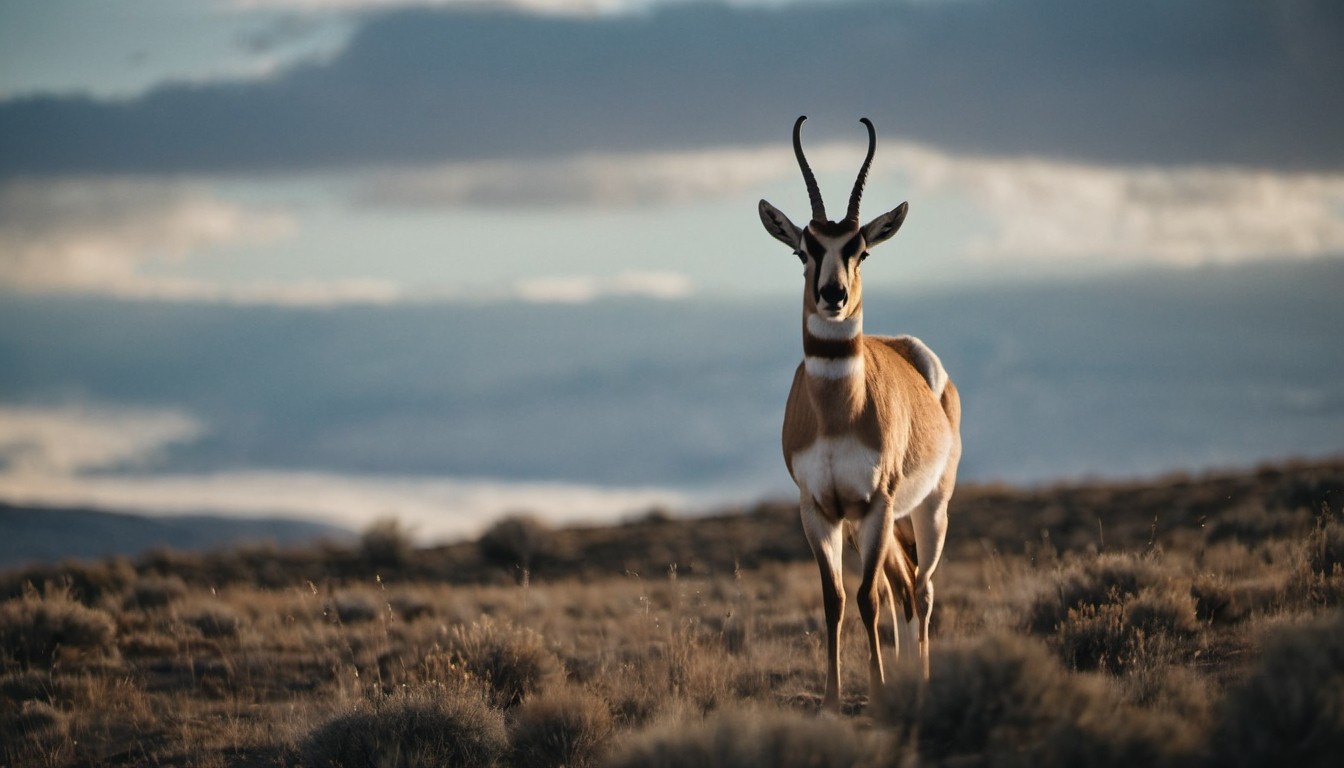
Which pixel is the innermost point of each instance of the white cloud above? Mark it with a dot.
(434, 508)
(136, 239)
(1033, 210)
(294, 293)
(590, 180)
(168, 238)
(1052, 211)
(86, 455)
(62, 440)
(582, 289)
(105, 235)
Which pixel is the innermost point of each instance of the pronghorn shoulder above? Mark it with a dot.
(918, 355)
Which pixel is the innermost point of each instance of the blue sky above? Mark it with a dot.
(295, 154)
(318, 151)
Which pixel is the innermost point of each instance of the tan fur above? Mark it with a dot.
(892, 410)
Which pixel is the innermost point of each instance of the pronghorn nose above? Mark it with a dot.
(834, 294)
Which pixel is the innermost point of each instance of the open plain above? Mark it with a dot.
(1178, 620)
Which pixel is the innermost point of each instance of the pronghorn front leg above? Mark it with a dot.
(873, 541)
(827, 539)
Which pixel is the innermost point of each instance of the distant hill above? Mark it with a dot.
(42, 534)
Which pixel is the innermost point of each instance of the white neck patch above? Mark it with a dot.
(832, 330)
(833, 368)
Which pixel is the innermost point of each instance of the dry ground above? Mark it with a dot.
(1186, 620)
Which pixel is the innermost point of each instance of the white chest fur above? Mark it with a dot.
(837, 467)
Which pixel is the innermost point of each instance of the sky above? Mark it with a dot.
(312, 151)
(316, 154)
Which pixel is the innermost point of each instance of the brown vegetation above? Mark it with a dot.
(1183, 621)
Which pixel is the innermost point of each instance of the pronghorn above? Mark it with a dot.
(871, 431)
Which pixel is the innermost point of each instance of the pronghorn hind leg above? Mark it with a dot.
(827, 540)
(929, 520)
(900, 573)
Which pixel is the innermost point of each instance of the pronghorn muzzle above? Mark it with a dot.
(834, 295)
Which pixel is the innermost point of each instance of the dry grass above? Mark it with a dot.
(1165, 635)
(425, 729)
(566, 727)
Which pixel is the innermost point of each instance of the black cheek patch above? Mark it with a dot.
(816, 278)
(814, 249)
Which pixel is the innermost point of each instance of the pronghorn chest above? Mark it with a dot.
(838, 472)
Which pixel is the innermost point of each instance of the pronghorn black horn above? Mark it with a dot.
(853, 214)
(813, 193)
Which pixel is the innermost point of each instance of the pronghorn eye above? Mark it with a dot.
(801, 256)
(863, 256)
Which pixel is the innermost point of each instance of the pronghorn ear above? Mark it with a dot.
(779, 226)
(884, 226)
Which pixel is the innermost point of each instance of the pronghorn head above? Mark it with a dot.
(832, 250)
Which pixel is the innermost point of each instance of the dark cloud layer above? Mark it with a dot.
(1152, 81)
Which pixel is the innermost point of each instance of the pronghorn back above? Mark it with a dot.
(918, 354)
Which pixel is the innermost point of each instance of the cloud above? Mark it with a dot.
(99, 235)
(131, 237)
(579, 7)
(583, 289)
(89, 455)
(1050, 211)
(436, 509)
(1036, 210)
(619, 179)
(1228, 82)
(63, 440)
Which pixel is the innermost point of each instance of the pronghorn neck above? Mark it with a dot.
(833, 357)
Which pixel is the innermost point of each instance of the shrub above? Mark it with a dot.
(562, 728)
(386, 544)
(426, 729)
(214, 621)
(1215, 600)
(92, 582)
(516, 541)
(410, 606)
(30, 732)
(354, 607)
(513, 662)
(1007, 701)
(33, 628)
(153, 591)
(1175, 689)
(1107, 578)
(1325, 547)
(1118, 637)
(754, 739)
(1289, 710)
(1095, 637)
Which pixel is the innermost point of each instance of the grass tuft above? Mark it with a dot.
(516, 542)
(565, 727)
(414, 730)
(215, 621)
(754, 739)
(154, 591)
(386, 544)
(512, 662)
(34, 628)
(1290, 709)
(1007, 701)
(1094, 582)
